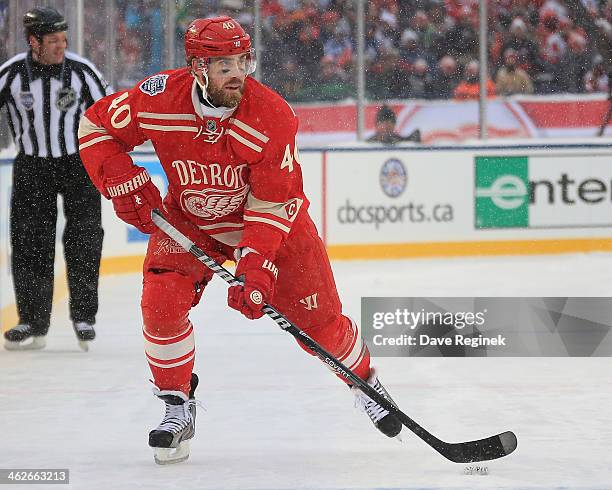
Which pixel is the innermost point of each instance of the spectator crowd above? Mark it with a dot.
(414, 49)
(428, 49)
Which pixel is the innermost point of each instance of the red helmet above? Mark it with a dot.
(217, 36)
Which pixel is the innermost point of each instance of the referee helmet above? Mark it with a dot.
(39, 21)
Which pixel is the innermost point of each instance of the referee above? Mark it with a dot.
(46, 90)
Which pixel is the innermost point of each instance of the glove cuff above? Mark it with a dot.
(254, 261)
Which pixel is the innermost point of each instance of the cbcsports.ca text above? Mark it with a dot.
(410, 212)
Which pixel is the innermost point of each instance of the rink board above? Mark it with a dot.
(418, 201)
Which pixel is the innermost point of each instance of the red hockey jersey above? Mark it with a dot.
(234, 173)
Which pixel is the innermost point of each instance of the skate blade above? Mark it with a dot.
(169, 455)
(84, 345)
(37, 343)
(400, 437)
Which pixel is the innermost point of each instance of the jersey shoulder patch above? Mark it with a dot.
(154, 85)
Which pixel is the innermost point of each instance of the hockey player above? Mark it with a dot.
(227, 145)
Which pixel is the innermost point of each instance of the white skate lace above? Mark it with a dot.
(370, 407)
(177, 417)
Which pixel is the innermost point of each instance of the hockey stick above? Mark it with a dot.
(489, 448)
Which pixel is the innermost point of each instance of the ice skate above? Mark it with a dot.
(385, 422)
(22, 337)
(85, 334)
(170, 438)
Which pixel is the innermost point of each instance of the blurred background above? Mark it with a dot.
(541, 55)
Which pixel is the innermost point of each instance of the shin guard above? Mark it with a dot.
(168, 333)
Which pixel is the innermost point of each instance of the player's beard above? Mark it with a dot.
(220, 98)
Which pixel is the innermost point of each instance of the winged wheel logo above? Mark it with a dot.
(213, 203)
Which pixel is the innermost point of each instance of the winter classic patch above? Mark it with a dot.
(154, 85)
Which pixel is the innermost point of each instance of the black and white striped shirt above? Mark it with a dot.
(45, 102)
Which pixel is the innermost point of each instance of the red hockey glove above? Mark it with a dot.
(134, 196)
(259, 276)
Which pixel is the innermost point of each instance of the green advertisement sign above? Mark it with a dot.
(502, 192)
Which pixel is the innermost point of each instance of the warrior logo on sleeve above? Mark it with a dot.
(213, 203)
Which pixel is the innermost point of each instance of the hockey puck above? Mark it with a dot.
(476, 470)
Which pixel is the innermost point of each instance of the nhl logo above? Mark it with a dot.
(26, 99)
(210, 131)
(154, 85)
(66, 98)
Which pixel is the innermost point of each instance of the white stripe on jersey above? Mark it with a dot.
(3, 79)
(86, 127)
(12, 60)
(39, 121)
(94, 89)
(94, 141)
(278, 225)
(24, 137)
(72, 142)
(221, 225)
(157, 127)
(54, 119)
(16, 123)
(155, 115)
(101, 79)
(248, 129)
(244, 141)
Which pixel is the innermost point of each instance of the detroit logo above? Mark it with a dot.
(154, 85)
(213, 203)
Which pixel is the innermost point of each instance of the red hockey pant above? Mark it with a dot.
(305, 292)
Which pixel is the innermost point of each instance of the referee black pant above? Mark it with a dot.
(36, 185)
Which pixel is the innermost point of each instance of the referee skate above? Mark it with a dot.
(22, 337)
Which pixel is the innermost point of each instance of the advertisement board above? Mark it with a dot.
(546, 191)
(451, 121)
(312, 174)
(370, 203)
(415, 201)
(396, 197)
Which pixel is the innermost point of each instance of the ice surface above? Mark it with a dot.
(276, 418)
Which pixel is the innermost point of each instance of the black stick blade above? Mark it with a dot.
(486, 449)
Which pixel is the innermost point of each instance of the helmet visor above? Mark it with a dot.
(243, 63)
